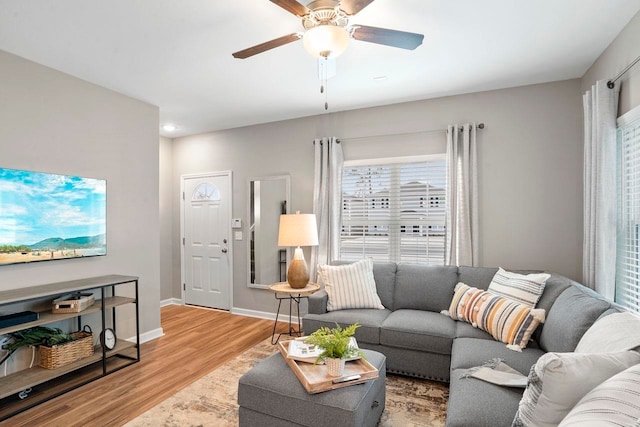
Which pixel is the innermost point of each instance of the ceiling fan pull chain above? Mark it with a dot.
(326, 94)
(325, 83)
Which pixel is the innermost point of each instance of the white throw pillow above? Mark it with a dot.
(350, 286)
(558, 381)
(525, 289)
(615, 402)
(615, 332)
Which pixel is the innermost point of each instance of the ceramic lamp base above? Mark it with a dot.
(298, 273)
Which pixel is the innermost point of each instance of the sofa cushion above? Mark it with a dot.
(476, 403)
(505, 319)
(465, 330)
(317, 302)
(612, 403)
(526, 289)
(384, 274)
(350, 286)
(477, 277)
(421, 287)
(559, 380)
(573, 312)
(418, 330)
(370, 321)
(556, 284)
(472, 352)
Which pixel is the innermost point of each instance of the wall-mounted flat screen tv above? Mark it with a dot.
(46, 217)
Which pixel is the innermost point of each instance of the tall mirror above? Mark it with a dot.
(268, 199)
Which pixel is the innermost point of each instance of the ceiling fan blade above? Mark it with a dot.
(263, 47)
(292, 6)
(351, 7)
(401, 39)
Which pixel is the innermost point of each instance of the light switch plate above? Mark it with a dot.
(238, 235)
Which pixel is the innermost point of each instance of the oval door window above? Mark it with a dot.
(206, 192)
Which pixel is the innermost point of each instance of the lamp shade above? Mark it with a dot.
(298, 230)
(326, 41)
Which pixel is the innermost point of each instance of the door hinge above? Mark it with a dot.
(183, 196)
(184, 286)
(183, 241)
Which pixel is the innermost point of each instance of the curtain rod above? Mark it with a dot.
(480, 126)
(612, 83)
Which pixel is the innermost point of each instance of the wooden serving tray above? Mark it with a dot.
(315, 378)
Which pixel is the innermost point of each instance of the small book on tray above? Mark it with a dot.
(301, 351)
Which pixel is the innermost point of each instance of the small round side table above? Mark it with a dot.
(282, 291)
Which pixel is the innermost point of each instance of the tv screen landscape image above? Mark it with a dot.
(46, 217)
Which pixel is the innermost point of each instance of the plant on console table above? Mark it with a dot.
(33, 337)
(336, 346)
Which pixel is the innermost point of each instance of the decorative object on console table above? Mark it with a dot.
(58, 355)
(73, 303)
(108, 339)
(298, 230)
(17, 318)
(34, 337)
(336, 346)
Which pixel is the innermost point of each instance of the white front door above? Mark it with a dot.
(206, 234)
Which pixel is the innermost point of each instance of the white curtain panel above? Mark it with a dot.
(600, 201)
(462, 196)
(327, 201)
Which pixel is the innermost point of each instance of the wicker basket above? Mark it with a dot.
(60, 355)
(74, 303)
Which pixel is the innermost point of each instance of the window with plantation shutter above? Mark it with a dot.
(628, 252)
(394, 210)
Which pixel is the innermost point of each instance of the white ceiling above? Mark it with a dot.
(177, 54)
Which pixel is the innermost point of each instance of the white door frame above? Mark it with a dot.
(229, 174)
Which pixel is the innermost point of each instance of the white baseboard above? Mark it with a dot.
(148, 336)
(171, 301)
(253, 313)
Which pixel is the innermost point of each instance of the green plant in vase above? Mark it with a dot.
(336, 346)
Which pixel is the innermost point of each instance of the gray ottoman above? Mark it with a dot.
(271, 395)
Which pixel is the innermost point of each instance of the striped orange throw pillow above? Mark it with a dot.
(505, 319)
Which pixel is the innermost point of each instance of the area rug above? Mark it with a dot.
(212, 400)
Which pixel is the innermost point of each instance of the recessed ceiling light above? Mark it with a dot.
(380, 78)
(169, 127)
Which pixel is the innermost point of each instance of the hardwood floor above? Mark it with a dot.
(196, 342)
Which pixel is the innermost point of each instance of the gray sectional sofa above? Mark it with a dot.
(419, 341)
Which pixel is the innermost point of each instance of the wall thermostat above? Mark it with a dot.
(236, 223)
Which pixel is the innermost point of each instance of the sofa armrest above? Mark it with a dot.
(318, 302)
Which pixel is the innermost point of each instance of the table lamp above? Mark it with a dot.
(298, 230)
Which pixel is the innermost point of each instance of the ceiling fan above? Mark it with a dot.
(328, 31)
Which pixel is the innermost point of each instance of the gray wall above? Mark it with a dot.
(620, 53)
(52, 122)
(530, 169)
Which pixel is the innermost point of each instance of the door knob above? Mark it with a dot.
(224, 251)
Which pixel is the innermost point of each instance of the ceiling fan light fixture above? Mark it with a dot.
(326, 41)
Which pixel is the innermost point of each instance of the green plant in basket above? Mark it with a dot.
(335, 342)
(39, 335)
